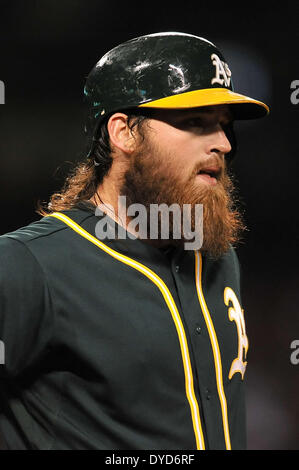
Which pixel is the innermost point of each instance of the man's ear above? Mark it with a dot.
(120, 134)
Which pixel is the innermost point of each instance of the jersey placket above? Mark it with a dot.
(204, 348)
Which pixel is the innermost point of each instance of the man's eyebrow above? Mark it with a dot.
(204, 109)
(201, 109)
(227, 114)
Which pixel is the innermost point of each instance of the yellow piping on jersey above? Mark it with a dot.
(189, 383)
(215, 346)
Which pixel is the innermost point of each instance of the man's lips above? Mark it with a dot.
(209, 174)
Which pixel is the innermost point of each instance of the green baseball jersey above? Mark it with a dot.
(117, 344)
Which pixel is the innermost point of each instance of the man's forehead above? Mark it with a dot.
(221, 111)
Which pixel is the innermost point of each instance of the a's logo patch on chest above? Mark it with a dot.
(236, 314)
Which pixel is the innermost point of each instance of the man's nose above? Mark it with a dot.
(218, 142)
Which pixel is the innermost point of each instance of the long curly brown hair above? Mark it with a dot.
(85, 177)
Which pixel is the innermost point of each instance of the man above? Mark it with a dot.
(116, 339)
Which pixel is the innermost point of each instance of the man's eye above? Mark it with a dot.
(194, 122)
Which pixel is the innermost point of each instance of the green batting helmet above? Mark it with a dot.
(164, 70)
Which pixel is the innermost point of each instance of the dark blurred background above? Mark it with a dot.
(48, 48)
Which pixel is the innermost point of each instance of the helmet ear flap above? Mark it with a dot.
(231, 136)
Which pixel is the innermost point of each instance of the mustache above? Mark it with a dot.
(214, 162)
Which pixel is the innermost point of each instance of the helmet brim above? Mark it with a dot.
(243, 107)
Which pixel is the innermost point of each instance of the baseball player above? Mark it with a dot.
(116, 339)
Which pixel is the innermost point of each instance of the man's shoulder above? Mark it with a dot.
(47, 226)
(231, 260)
(233, 256)
(230, 257)
(40, 236)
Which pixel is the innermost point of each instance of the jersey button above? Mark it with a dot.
(177, 268)
(208, 394)
(198, 330)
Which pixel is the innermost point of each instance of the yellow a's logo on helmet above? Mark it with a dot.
(222, 70)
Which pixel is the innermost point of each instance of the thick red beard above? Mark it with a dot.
(148, 182)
